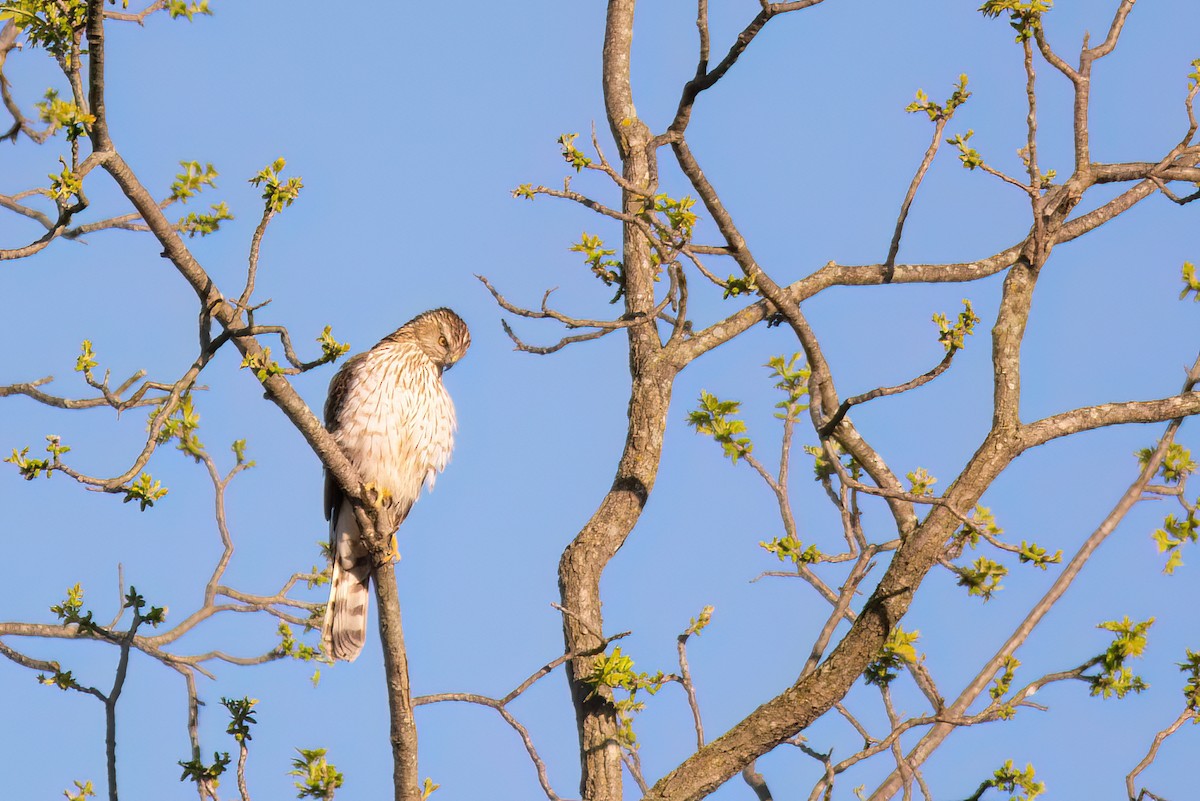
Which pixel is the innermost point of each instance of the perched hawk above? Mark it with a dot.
(394, 420)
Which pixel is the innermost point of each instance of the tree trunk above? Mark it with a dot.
(584, 560)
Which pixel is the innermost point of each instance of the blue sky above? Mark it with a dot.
(410, 125)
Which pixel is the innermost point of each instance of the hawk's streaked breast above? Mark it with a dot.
(396, 422)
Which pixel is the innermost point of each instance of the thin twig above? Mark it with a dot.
(1130, 780)
(685, 678)
(881, 392)
(939, 127)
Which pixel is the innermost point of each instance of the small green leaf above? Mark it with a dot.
(186, 10)
(1177, 463)
(1115, 677)
(206, 775)
(525, 191)
(181, 425)
(192, 180)
(615, 672)
(202, 224)
(953, 337)
(27, 467)
(145, 491)
(241, 717)
(898, 650)
(262, 364)
(1022, 783)
(1032, 553)
(63, 115)
(290, 646)
(982, 578)
(239, 452)
(71, 613)
(595, 255)
(331, 349)
(793, 377)
(1003, 682)
(83, 790)
(571, 154)
(1191, 690)
(790, 549)
(698, 624)
(64, 185)
(1024, 17)
(715, 418)
(87, 359)
(921, 482)
(937, 111)
(1191, 284)
(739, 285)
(277, 193)
(968, 155)
(318, 778)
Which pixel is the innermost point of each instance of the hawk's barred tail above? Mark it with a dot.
(344, 631)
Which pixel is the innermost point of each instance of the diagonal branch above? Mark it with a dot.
(705, 78)
(823, 392)
(930, 742)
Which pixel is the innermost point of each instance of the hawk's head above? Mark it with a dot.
(442, 334)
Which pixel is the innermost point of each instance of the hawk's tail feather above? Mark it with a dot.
(344, 631)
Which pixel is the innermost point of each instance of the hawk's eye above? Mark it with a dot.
(442, 341)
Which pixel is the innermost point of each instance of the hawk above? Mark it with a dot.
(394, 420)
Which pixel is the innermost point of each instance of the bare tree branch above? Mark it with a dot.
(1131, 779)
